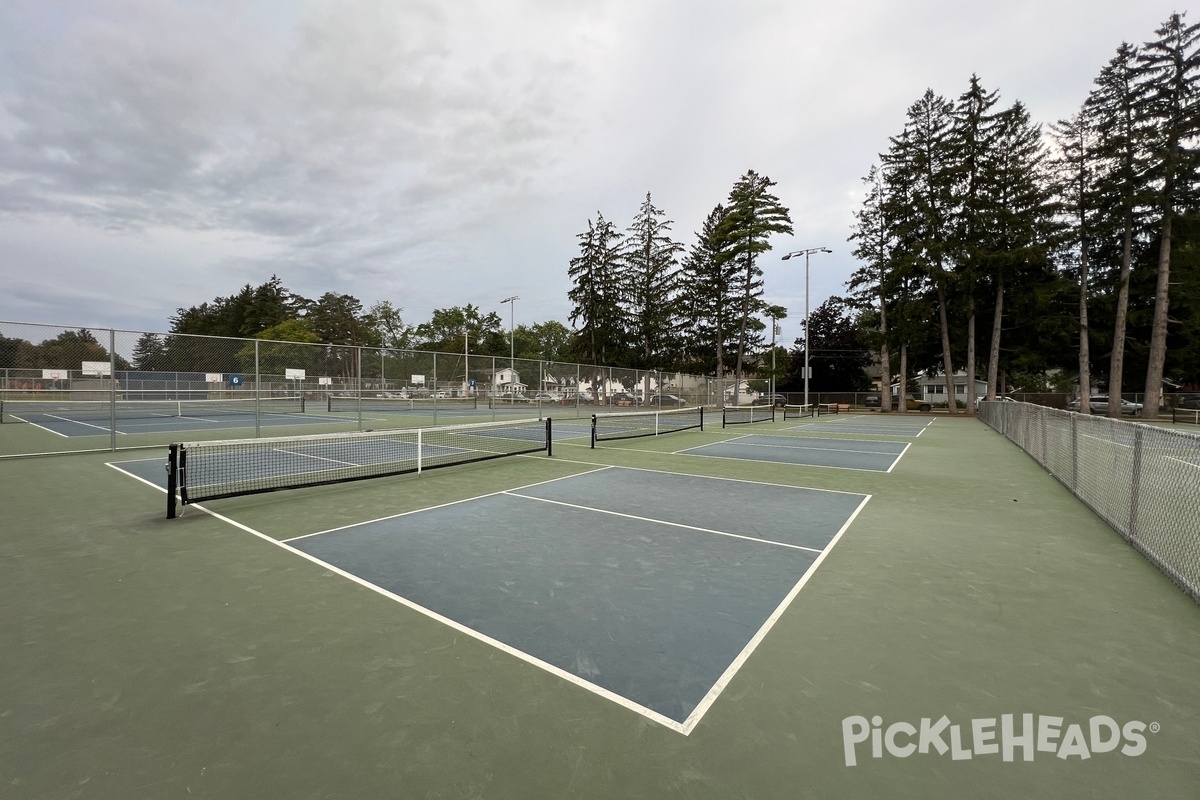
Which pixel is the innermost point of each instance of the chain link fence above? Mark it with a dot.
(1143, 480)
(77, 389)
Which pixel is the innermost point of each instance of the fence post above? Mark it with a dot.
(1135, 481)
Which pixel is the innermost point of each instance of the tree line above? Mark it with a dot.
(1053, 255)
(984, 245)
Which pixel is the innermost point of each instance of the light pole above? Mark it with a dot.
(774, 333)
(807, 334)
(512, 361)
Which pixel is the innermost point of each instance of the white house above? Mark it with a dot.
(932, 388)
(507, 380)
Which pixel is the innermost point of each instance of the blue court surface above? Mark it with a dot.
(68, 424)
(866, 426)
(629, 583)
(811, 451)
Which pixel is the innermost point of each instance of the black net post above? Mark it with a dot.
(593, 431)
(172, 472)
(549, 439)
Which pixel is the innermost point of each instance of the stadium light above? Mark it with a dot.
(512, 366)
(807, 333)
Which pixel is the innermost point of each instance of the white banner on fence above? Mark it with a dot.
(214, 377)
(94, 369)
(418, 380)
(56, 374)
(293, 374)
(325, 381)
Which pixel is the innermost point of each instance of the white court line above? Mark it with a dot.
(104, 428)
(570, 677)
(898, 457)
(685, 728)
(706, 703)
(663, 522)
(41, 427)
(598, 468)
(789, 463)
(820, 449)
(705, 477)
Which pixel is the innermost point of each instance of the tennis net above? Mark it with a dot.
(399, 405)
(739, 415)
(798, 411)
(35, 410)
(632, 424)
(201, 471)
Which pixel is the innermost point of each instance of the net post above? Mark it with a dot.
(172, 479)
(1135, 480)
(419, 450)
(702, 418)
(549, 439)
(593, 431)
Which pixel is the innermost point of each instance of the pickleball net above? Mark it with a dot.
(740, 415)
(199, 471)
(798, 411)
(35, 410)
(633, 424)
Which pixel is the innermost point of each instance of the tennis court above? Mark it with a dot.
(78, 418)
(864, 454)
(623, 620)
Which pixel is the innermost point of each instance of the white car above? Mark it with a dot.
(1099, 403)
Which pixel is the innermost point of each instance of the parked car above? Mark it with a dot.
(1187, 401)
(665, 400)
(545, 397)
(622, 399)
(1099, 404)
(913, 404)
(979, 400)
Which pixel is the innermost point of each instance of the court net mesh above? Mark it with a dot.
(739, 415)
(798, 411)
(37, 410)
(399, 405)
(632, 424)
(1142, 480)
(212, 470)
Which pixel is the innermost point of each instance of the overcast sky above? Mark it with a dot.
(156, 154)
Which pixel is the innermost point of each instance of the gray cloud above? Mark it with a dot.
(154, 154)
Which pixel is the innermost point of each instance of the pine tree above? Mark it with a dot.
(597, 311)
(870, 282)
(649, 274)
(921, 205)
(1110, 113)
(1168, 69)
(753, 214)
(710, 276)
(974, 151)
(1076, 166)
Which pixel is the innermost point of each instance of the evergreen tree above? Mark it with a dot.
(149, 353)
(1110, 113)
(753, 214)
(710, 276)
(921, 172)
(1076, 166)
(598, 312)
(1168, 68)
(1024, 228)
(869, 284)
(973, 149)
(650, 266)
